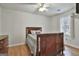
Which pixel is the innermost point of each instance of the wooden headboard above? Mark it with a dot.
(29, 29)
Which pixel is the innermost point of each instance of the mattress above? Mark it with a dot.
(32, 43)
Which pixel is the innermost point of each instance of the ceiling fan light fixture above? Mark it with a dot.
(42, 9)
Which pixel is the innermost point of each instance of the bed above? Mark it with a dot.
(31, 38)
(44, 44)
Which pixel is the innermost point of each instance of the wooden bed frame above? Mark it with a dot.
(29, 29)
(51, 44)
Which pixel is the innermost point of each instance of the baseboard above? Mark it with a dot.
(16, 44)
(73, 46)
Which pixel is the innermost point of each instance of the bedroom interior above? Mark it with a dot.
(39, 29)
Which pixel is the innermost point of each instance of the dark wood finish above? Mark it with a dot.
(50, 44)
(29, 29)
(47, 45)
(4, 45)
(60, 43)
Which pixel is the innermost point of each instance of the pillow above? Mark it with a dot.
(38, 32)
(35, 31)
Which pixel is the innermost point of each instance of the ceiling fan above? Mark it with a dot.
(43, 7)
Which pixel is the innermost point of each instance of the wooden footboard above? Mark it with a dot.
(51, 44)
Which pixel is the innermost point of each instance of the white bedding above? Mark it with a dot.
(32, 42)
(34, 36)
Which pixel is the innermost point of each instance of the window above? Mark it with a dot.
(65, 26)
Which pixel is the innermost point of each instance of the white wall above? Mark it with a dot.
(15, 22)
(75, 40)
(0, 20)
(56, 25)
(56, 20)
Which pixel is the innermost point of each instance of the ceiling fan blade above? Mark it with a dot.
(40, 6)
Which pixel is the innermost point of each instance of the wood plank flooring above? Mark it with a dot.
(23, 50)
(71, 51)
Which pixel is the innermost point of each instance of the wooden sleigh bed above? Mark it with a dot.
(44, 44)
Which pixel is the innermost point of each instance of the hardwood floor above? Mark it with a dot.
(71, 51)
(23, 50)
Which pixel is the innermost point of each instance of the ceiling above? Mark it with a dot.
(53, 9)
